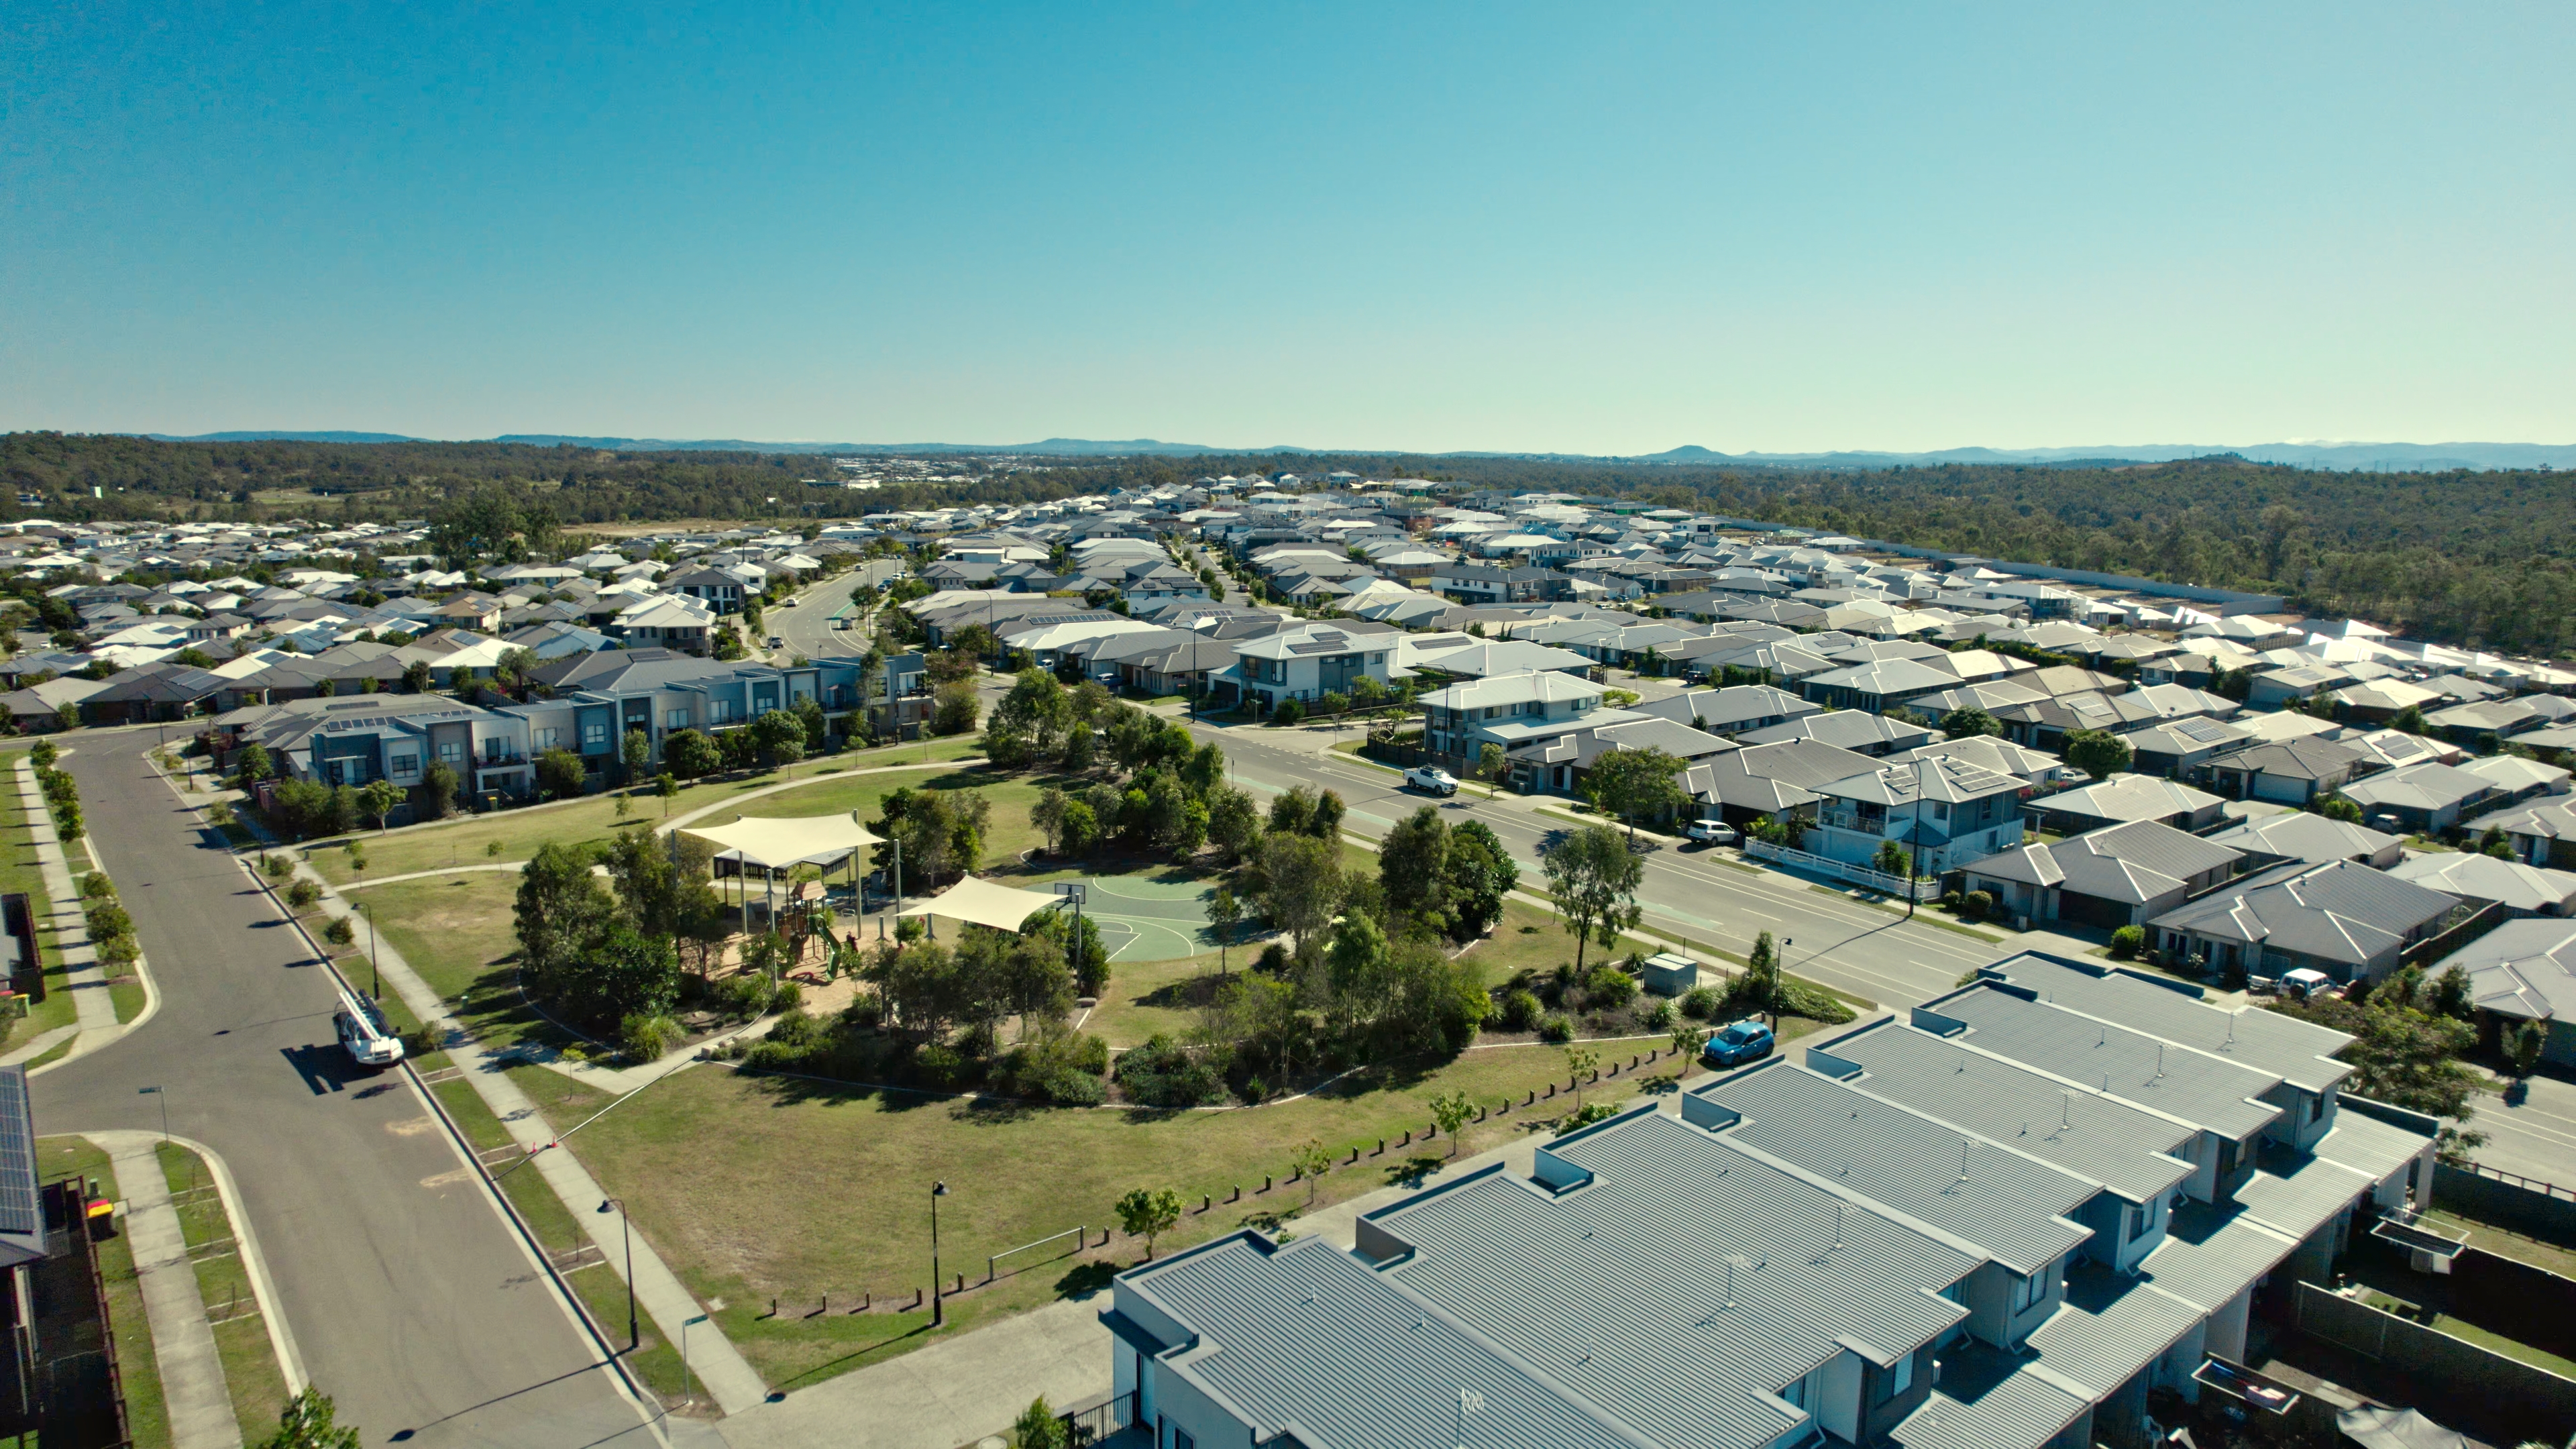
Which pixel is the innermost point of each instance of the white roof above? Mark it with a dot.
(776, 841)
(985, 903)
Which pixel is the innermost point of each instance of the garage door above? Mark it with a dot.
(2084, 910)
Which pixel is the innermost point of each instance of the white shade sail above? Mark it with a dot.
(781, 841)
(985, 903)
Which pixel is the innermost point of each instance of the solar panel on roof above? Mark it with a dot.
(20, 1213)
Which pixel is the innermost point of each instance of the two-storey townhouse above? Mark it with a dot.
(1497, 584)
(1510, 710)
(714, 587)
(1305, 662)
(1944, 812)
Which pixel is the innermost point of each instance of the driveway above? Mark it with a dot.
(411, 1301)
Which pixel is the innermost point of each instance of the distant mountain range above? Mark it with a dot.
(2336, 456)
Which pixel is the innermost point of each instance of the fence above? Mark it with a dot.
(1097, 1421)
(2533, 1402)
(2433, 948)
(1922, 888)
(2522, 1204)
(1080, 1237)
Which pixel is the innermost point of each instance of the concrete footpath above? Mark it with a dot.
(192, 1369)
(88, 980)
(728, 1378)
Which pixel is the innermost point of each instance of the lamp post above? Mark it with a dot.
(1780, 968)
(634, 1337)
(375, 968)
(938, 1305)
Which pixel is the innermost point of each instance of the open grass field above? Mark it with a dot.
(757, 1187)
(465, 839)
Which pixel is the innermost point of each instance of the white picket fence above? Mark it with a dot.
(1923, 889)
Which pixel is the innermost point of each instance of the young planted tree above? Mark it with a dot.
(1594, 877)
(380, 798)
(1224, 913)
(1148, 1215)
(635, 753)
(1449, 1112)
(1313, 1160)
(1580, 1063)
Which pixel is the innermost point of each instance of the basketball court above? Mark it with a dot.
(1148, 920)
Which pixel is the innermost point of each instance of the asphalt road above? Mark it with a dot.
(807, 628)
(2535, 1138)
(1860, 949)
(412, 1302)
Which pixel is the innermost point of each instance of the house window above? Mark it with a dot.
(452, 752)
(677, 719)
(547, 739)
(594, 732)
(719, 711)
(1898, 1379)
(2030, 1290)
(403, 767)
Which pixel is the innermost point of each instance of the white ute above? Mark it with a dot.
(1431, 779)
(363, 1031)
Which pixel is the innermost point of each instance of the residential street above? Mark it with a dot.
(2536, 1138)
(1844, 944)
(410, 1299)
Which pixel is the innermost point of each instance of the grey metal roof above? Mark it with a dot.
(2369, 1146)
(2338, 911)
(2111, 1325)
(2535, 889)
(2023, 1410)
(2208, 1091)
(1309, 1338)
(2524, 969)
(2299, 835)
(2306, 1198)
(2129, 797)
(1581, 1283)
(2011, 1205)
(2133, 862)
(1845, 729)
(2299, 1052)
(2210, 1254)
(2124, 1147)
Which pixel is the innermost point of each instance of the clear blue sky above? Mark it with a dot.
(1584, 227)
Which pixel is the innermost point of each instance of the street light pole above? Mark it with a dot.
(626, 1228)
(375, 967)
(938, 1305)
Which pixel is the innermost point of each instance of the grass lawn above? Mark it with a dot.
(251, 1373)
(147, 1417)
(2507, 1244)
(1532, 938)
(839, 1175)
(465, 839)
(19, 873)
(456, 933)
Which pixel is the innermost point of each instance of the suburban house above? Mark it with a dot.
(2037, 770)
(2124, 798)
(1778, 780)
(1846, 1289)
(2179, 749)
(1509, 710)
(1944, 812)
(2289, 772)
(899, 702)
(2543, 834)
(2518, 889)
(1497, 584)
(1846, 729)
(2269, 840)
(1304, 663)
(2422, 799)
(2515, 779)
(1726, 711)
(1879, 684)
(2120, 875)
(2524, 971)
(2340, 918)
(1559, 763)
(716, 588)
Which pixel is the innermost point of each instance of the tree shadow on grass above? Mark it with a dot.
(1414, 1171)
(1085, 1279)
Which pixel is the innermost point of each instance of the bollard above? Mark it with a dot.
(1632, 1061)
(916, 1298)
(773, 1308)
(1551, 1089)
(1238, 1193)
(1408, 1139)
(1265, 1182)
(961, 1282)
(1532, 1097)
(865, 1300)
(1381, 1148)
(1206, 1201)
(1355, 1156)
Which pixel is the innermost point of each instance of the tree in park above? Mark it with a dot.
(666, 785)
(1301, 887)
(1628, 783)
(1081, 829)
(1688, 1038)
(250, 765)
(559, 773)
(1234, 822)
(956, 710)
(1089, 964)
(1224, 913)
(435, 795)
(690, 754)
(1148, 1215)
(1293, 811)
(1326, 823)
(1477, 876)
(779, 736)
(1594, 877)
(1032, 722)
(635, 752)
(1312, 1160)
(1968, 721)
(1449, 1112)
(380, 798)
(1580, 1063)
(1412, 866)
(1759, 986)
(309, 1422)
(2098, 753)
(562, 911)
(1048, 815)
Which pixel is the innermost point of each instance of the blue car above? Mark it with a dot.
(1744, 1041)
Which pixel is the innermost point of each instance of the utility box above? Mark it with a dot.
(1668, 974)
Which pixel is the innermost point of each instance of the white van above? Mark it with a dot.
(363, 1031)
